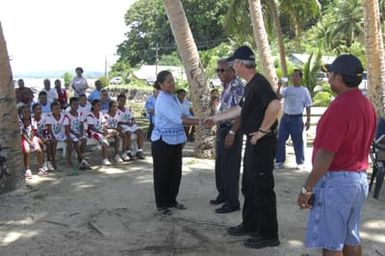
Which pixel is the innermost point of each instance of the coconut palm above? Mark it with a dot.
(194, 71)
(374, 54)
(10, 156)
(263, 46)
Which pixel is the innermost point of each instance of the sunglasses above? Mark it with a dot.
(220, 70)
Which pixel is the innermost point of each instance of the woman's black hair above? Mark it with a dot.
(55, 103)
(162, 76)
(122, 95)
(112, 102)
(93, 103)
(74, 99)
(34, 106)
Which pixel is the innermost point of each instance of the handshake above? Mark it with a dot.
(206, 122)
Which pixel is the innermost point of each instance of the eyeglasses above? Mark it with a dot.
(220, 70)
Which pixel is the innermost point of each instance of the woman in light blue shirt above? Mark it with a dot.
(167, 139)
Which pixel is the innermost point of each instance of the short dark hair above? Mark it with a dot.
(181, 91)
(42, 93)
(111, 103)
(299, 71)
(95, 101)
(74, 99)
(34, 106)
(80, 69)
(122, 95)
(82, 96)
(55, 103)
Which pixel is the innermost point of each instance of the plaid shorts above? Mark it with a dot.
(334, 220)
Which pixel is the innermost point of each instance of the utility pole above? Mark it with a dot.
(156, 58)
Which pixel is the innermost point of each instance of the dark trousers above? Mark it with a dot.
(260, 207)
(227, 167)
(150, 128)
(167, 162)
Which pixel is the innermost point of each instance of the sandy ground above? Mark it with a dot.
(110, 211)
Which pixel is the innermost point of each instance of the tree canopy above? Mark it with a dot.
(149, 29)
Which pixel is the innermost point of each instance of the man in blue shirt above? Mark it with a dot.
(228, 142)
(95, 94)
(296, 98)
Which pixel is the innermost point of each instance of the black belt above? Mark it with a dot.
(298, 115)
(225, 125)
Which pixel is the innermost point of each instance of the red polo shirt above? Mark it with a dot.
(347, 129)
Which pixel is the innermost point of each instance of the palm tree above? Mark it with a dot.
(10, 156)
(262, 42)
(278, 30)
(194, 70)
(374, 54)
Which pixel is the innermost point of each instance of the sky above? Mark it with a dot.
(55, 35)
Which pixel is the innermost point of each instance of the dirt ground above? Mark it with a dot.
(110, 211)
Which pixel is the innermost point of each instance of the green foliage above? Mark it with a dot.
(148, 25)
(121, 69)
(310, 70)
(323, 97)
(104, 81)
(67, 79)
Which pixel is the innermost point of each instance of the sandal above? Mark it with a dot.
(28, 174)
(42, 172)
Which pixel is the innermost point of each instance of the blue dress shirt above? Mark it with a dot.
(168, 120)
(95, 95)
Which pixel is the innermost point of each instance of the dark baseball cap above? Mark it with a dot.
(345, 64)
(242, 53)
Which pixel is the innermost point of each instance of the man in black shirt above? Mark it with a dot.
(258, 110)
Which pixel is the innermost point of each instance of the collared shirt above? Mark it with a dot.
(296, 99)
(168, 120)
(232, 95)
(105, 105)
(150, 106)
(95, 95)
(80, 85)
(186, 106)
(51, 95)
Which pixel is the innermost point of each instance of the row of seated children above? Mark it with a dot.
(73, 127)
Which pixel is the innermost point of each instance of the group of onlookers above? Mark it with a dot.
(55, 119)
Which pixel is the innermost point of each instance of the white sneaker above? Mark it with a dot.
(278, 165)
(301, 167)
(125, 157)
(118, 159)
(106, 162)
(85, 163)
(50, 166)
(45, 166)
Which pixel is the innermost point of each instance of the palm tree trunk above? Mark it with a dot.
(262, 42)
(10, 156)
(278, 31)
(204, 141)
(374, 54)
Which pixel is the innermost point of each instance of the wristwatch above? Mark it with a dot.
(231, 132)
(305, 191)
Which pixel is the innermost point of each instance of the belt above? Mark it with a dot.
(297, 115)
(225, 125)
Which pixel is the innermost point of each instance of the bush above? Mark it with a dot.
(104, 81)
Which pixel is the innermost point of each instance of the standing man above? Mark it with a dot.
(51, 92)
(297, 97)
(228, 142)
(95, 94)
(258, 112)
(338, 180)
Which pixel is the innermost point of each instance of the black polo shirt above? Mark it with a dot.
(257, 96)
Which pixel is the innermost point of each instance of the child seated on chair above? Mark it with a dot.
(97, 129)
(75, 132)
(30, 142)
(55, 126)
(43, 135)
(114, 131)
(129, 127)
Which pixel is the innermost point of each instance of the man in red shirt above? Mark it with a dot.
(337, 186)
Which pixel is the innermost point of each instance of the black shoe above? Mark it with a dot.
(217, 201)
(226, 209)
(164, 211)
(259, 242)
(241, 230)
(179, 206)
(140, 155)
